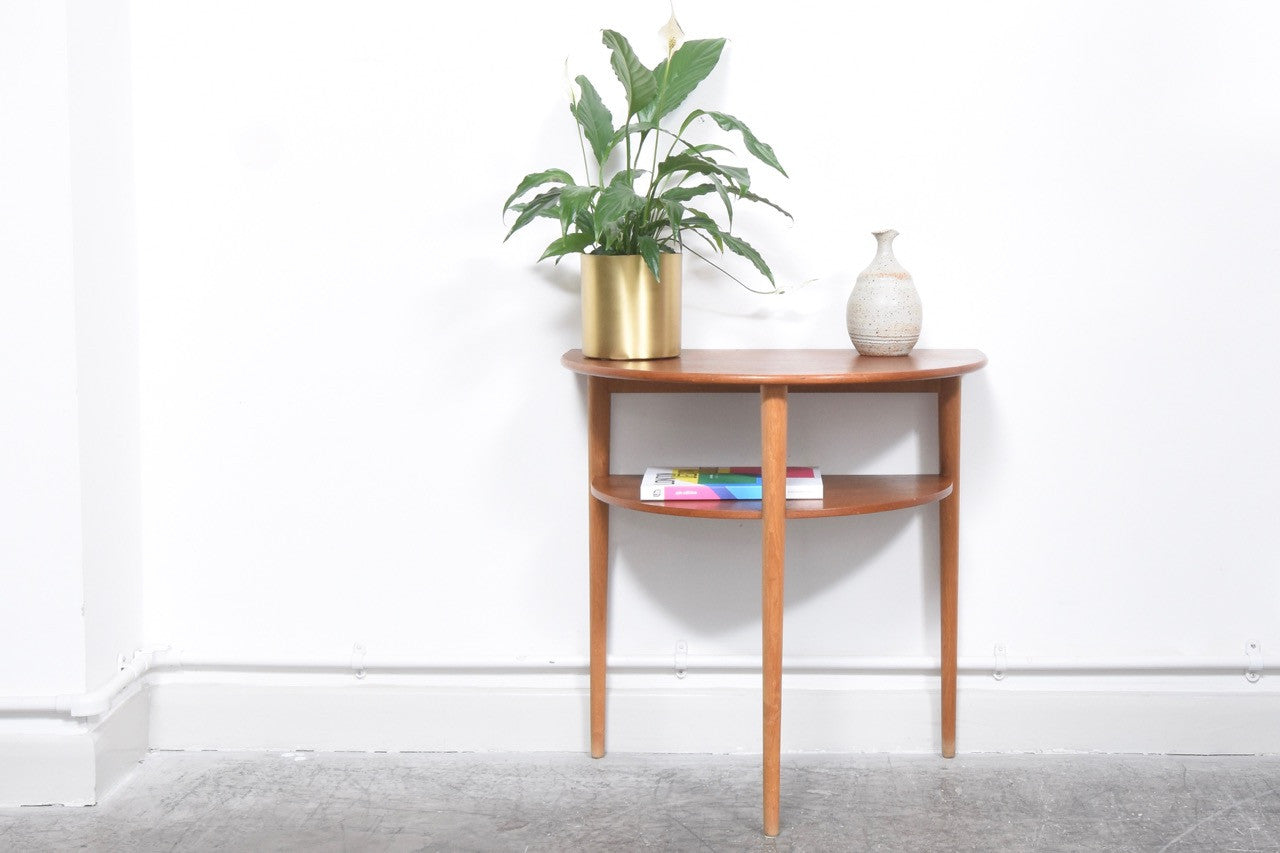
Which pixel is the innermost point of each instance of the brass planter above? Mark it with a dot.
(626, 313)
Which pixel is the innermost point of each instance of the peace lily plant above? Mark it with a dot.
(632, 210)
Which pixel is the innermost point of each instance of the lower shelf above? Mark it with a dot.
(844, 494)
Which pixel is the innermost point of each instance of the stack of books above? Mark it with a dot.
(724, 484)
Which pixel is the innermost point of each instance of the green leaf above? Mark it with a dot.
(537, 179)
(675, 212)
(741, 247)
(686, 193)
(686, 162)
(696, 164)
(724, 197)
(703, 149)
(595, 120)
(636, 80)
(541, 205)
(649, 251)
(613, 206)
(704, 226)
(572, 200)
(655, 219)
(569, 244)
(550, 212)
(582, 221)
(736, 174)
(650, 126)
(633, 127)
(705, 237)
(750, 196)
(762, 152)
(628, 178)
(681, 74)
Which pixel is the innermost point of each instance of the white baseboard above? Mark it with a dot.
(370, 717)
(76, 768)
(121, 740)
(46, 770)
(79, 767)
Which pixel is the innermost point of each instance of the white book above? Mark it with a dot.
(724, 484)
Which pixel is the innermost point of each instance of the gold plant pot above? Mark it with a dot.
(626, 313)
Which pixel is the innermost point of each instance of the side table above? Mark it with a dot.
(774, 374)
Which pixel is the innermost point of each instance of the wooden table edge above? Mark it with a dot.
(670, 370)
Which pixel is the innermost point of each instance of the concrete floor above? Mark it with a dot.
(460, 802)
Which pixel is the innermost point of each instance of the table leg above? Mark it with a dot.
(949, 547)
(599, 410)
(773, 418)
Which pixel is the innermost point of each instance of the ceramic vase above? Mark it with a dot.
(884, 310)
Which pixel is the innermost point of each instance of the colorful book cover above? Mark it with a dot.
(724, 484)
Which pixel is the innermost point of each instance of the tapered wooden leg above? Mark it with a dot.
(598, 417)
(949, 546)
(773, 416)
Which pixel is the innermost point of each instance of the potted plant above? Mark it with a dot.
(632, 221)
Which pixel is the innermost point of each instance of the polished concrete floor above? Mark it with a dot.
(180, 801)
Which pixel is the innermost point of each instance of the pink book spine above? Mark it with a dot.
(689, 492)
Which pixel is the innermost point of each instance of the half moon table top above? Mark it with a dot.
(782, 366)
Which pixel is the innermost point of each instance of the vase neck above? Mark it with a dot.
(884, 245)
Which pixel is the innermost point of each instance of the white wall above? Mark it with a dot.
(41, 630)
(334, 336)
(107, 330)
(70, 508)
(329, 323)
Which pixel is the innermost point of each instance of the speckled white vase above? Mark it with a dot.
(884, 309)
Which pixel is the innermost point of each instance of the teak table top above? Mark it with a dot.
(782, 366)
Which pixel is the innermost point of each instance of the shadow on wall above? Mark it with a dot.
(564, 276)
(707, 573)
